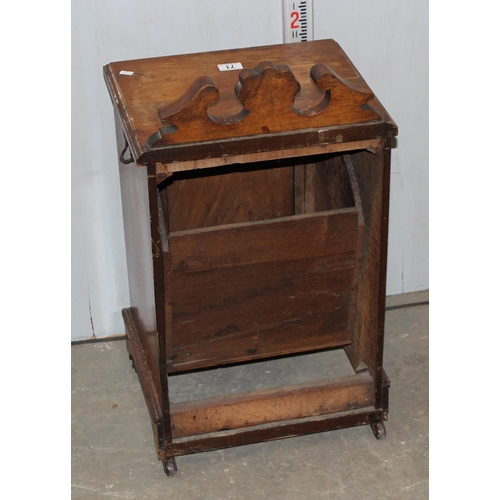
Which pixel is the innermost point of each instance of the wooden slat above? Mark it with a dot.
(144, 372)
(381, 381)
(363, 350)
(299, 187)
(287, 238)
(269, 432)
(271, 405)
(356, 198)
(250, 312)
(287, 151)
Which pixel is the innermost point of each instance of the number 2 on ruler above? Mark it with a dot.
(297, 20)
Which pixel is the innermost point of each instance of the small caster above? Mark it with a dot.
(133, 362)
(169, 466)
(378, 429)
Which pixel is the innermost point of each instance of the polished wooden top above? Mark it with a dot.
(163, 101)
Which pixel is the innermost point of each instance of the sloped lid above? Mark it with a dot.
(151, 94)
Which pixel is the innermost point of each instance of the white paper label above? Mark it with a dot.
(128, 73)
(230, 66)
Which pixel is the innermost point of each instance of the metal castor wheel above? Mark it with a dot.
(378, 429)
(169, 466)
(133, 362)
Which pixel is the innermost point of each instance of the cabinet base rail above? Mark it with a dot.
(254, 416)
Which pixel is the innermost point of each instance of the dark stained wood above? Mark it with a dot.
(278, 240)
(270, 432)
(256, 219)
(222, 152)
(225, 195)
(152, 86)
(135, 207)
(248, 409)
(299, 188)
(248, 291)
(369, 169)
(384, 394)
(323, 185)
(267, 94)
(304, 187)
(161, 272)
(149, 389)
(382, 382)
(238, 314)
(287, 153)
(164, 247)
(333, 188)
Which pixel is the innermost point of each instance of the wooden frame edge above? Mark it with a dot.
(139, 360)
(270, 432)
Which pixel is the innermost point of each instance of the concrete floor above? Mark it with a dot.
(113, 453)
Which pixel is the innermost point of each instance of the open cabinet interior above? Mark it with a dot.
(265, 262)
(257, 191)
(263, 259)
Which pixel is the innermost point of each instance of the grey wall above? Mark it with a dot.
(387, 41)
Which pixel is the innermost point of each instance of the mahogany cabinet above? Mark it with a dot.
(255, 191)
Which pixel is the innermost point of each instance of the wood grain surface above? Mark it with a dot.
(157, 83)
(266, 239)
(267, 94)
(259, 407)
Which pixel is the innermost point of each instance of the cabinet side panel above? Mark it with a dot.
(134, 192)
(369, 173)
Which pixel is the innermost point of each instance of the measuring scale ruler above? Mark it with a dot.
(297, 20)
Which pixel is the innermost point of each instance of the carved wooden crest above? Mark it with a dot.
(267, 93)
